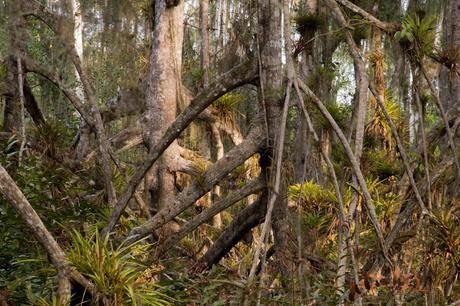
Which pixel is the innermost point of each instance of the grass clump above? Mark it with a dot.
(116, 271)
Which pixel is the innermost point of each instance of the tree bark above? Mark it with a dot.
(204, 29)
(449, 81)
(163, 95)
(271, 100)
(12, 117)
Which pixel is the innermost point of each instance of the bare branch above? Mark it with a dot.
(240, 75)
(233, 197)
(356, 169)
(385, 26)
(201, 186)
(32, 66)
(401, 149)
(450, 136)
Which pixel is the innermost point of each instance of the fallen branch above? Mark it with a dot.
(233, 197)
(240, 75)
(202, 185)
(57, 256)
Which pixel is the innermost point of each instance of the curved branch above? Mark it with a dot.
(247, 219)
(33, 66)
(233, 197)
(201, 186)
(385, 26)
(240, 75)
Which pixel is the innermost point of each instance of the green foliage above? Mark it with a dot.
(227, 104)
(308, 23)
(381, 165)
(385, 201)
(311, 194)
(51, 138)
(418, 35)
(378, 128)
(56, 194)
(116, 271)
(339, 112)
(215, 287)
(361, 32)
(445, 232)
(40, 301)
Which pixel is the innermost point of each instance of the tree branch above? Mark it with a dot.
(57, 256)
(32, 66)
(240, 75)
(385, 26)
(200, 186)
(356, 169)
(233, 197)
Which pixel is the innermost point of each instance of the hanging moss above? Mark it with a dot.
(381, 166)
(361, 32)
(308, 23)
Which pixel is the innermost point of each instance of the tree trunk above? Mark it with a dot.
(163, 94)
(204, 27)
(449, 81)
(78, 39)
(271, 97)
(12, 119)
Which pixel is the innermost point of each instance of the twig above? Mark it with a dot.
(355, 166)
(276, 185)
(22, 100)
(450, 137)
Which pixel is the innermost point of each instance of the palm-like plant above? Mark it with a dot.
(115, 271)
(418, 35)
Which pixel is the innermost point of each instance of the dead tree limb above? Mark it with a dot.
(356, 169)
(240, 75)
(232, 198)
(401, 149)
(385, 26)
(202, 185)
(246, 220)
(33, 222)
